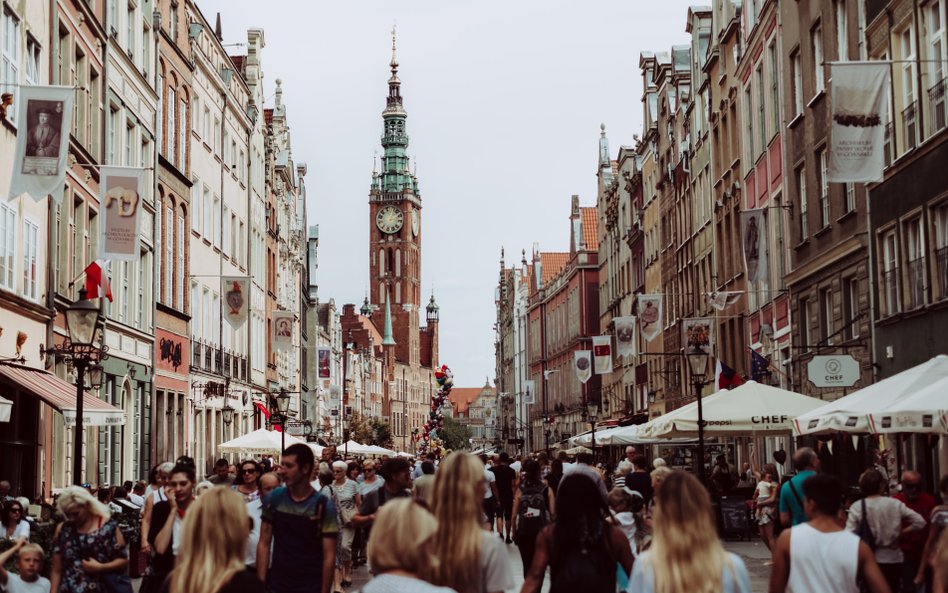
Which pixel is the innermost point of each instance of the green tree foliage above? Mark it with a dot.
(369, 431)
(454, 435)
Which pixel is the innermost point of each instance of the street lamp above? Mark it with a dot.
(283, 408)
(228, 414)
(698, 364)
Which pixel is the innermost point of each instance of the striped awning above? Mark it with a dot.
(61, 395)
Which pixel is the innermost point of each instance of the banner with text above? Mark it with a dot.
(625, 335)
(282, 330)
(42, 141)
(120, 191)
(857, 140)
(754, 234)
(582, 362)
(236, 291)
(650, 316)
(602, 354)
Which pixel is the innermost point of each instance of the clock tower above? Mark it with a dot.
(395, 229)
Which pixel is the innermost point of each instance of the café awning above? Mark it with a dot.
(61, 395)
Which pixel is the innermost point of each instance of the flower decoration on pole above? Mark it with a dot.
(428, 441)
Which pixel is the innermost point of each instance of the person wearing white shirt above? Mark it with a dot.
(268, 482)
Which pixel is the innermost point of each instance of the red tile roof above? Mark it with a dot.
(462, 397)
(552, 262)
(239, 62)
(590, 227)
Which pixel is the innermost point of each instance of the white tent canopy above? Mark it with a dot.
(317, 449)
(260, 441)
(6, 406)
(351, 447)
(925, 411)
(379, 451)
(851, 413)
(748, 409)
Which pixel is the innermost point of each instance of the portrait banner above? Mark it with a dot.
(582, 362)
(857, 139)
(625, 335)
(282, 330)
(650, 316)
(754, 240)
(324, 362)
(529, 392)
(236, 291)
(43, 123)
(602, 354)
(120, 190)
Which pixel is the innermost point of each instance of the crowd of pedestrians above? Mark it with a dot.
(446, 526)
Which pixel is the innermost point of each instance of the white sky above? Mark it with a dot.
(504, 102)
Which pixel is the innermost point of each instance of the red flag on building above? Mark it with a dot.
(266, 414)
(726, 378)
(97, 281)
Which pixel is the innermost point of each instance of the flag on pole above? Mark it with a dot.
(725, 377)
(759, 366)
(97, 281)
(266, 414)
(582, 363)
(602, 354)
(625, 335)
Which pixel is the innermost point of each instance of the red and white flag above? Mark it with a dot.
(97, 281)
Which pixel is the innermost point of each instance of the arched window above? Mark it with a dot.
(179, 263)
(382, 293)
(398, 292)
(398, 262)
(391, 260)
(182, 130)
(381, 263)
(168, 289)
(172, 119)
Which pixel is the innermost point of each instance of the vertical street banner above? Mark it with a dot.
(857, 138)
(236, 290)
(324, 362)
(602, 354)
(754, 240)
(120, 190)
(650, 315)
(625, 335)
(42, 141)
(282, 330)
(582, 363)
(697, 335)
(529, 392)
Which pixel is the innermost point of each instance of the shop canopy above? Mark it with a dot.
(351, 447)
(852, 412)
(380, 451)
(6, 407)
(622, 436)
(925, 411)
(260, 442)
(61, 395)
(752, 408)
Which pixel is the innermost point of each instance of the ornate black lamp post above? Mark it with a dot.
(698, 364)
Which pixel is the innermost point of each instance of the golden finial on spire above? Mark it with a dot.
(394, 63)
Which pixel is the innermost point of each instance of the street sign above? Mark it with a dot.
(833, 371)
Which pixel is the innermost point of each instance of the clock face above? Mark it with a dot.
(415, 224)
(389, 219)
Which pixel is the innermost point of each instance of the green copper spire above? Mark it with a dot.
(395, 175)
(388, 339)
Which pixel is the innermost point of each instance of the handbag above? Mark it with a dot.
(864, 531)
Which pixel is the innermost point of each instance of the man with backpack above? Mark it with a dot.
(792, 510)
(397, 474)
(532, 511)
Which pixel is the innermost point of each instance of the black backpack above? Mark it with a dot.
(533, 497)
(864, 531)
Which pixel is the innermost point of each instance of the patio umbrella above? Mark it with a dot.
(751, 408)
(925, 411)
(260, 441)
(851, 413)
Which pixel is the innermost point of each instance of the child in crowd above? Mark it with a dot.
(627, 506)
(29, 563)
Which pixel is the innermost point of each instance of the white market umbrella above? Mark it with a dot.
(925, 411)
(748, 409)
(382, 451)
(260, 441)
(851, 413)
(317, 449)
(6, 408)
(404, 454)
(352, 447)
(632, 435)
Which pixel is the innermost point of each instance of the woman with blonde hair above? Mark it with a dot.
(214, 546)
(88, 549)
(686, 554)
(469, 559)
(397, 549)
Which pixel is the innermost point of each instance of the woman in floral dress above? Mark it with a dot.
(87, 546)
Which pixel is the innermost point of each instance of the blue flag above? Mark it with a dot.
(759, 366)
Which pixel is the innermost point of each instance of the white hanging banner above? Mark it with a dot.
(42, 141)
(721, 299)
(650, 315)
(754, 235)
(120, 190)
(698, 336)
(529, 392)
(236, 291)
(602, 354)
(625, 335)
(282, 330)
(857, 140)
(582, 363)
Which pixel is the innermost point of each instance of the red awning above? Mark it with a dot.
(61, 395)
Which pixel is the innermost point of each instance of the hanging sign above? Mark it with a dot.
(754, 235)
(236, 291)
(857, 140)
(582, 363)
(42, 142)
(602, 354)
(650, 315)
(625, 335)
(120, 191)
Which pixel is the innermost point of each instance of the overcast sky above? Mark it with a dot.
(504, 102)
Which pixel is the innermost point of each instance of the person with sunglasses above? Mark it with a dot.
(247, 483)
(15, 525)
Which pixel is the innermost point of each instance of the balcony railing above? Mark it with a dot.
(195, 355)
(910, 126)
(917, 293)
(890, 291)
(941, 271)
(938, 107)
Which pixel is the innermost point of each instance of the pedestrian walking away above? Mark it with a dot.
(792, 511)
(505, 493)
(533, 510)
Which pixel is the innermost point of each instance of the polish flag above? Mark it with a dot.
(266, 414)
(97, 281)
